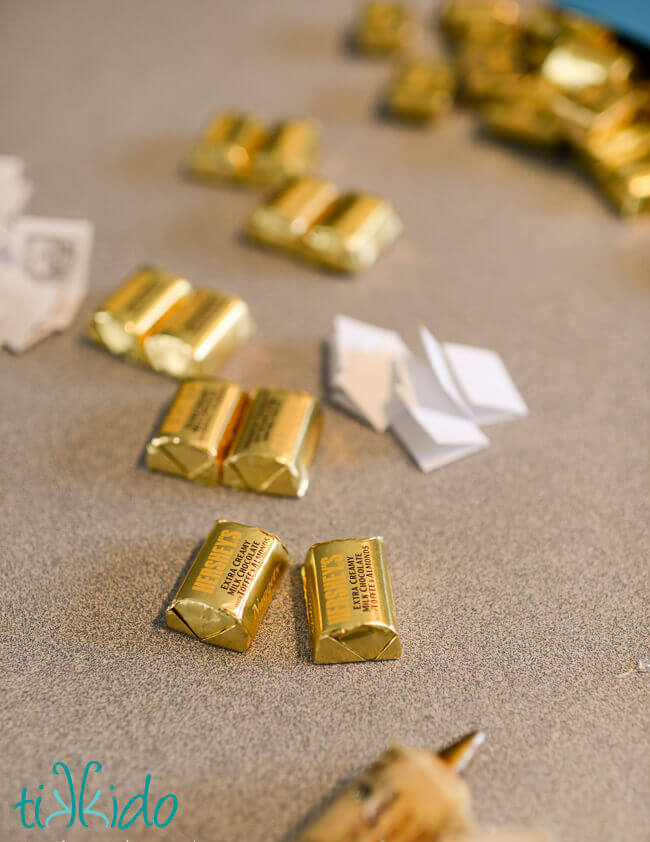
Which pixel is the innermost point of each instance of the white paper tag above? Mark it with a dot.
(46, 278)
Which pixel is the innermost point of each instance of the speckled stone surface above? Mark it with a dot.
(520, 574)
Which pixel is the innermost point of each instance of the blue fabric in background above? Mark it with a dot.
(628, 17)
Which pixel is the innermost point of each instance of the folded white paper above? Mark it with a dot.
(433, 428)
(362, 357)
(485, 384)
(434, 406)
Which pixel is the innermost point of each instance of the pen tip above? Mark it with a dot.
(461, 753)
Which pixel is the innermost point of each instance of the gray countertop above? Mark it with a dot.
(520, 573)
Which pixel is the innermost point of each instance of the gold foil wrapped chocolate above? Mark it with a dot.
(521, 111)
(156, 318)
(628, 186)
(422, 89)
(226, 147)
(275, 444)
(624, 146)
(383, 27)
(575, 66)
(307, 216)
(480, 20)
(352, 232)
(229, 586)
(197, 432)
(133, 311)
(488, 72)
(198, 334)
(290, 150)
(216, 433)
(288, 214)
(349, 601)
(595, 115)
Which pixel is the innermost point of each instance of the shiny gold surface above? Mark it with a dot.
(290, 150)
(226, 147)
(229, 586)
(198, 430)
(422, 89)
(521, 111)
(628, 187)
(199, 334)
(407, 795)
(480, 20)
(596, 115)
(352, 232)
(349, 601)
(625, 146)
(490, 72)
(383, 27)
(134, 310)
(287, 215)
(275, 444)
(575, 66)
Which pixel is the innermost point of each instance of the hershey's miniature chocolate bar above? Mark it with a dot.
(349, 601)
(226, 147)
(352, 232)
(229, 586)
(198, 430)
(275, 444)
(290, 150)
(133, 311)
(199, 334)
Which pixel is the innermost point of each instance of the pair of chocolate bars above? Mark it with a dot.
(158, 319)
(348, 594)
(241, 147)
(215, 432)
(311, 218)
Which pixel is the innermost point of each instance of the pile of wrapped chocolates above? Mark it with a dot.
(535, 75)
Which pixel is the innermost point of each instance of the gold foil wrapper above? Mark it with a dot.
(490, 72)
(422, 90)
(480, 20)
(628, 187)
(622, 147)
(407, 795)
(352, 232)
(575, 67)
(383, 27)
(595, 115)
(520, 110)
(349, 602)
(290, 150)
(198, 430)
(199, 334)
(131, 313)
(226, 148)
(275, 444)
(283, 219)
(229, 586)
